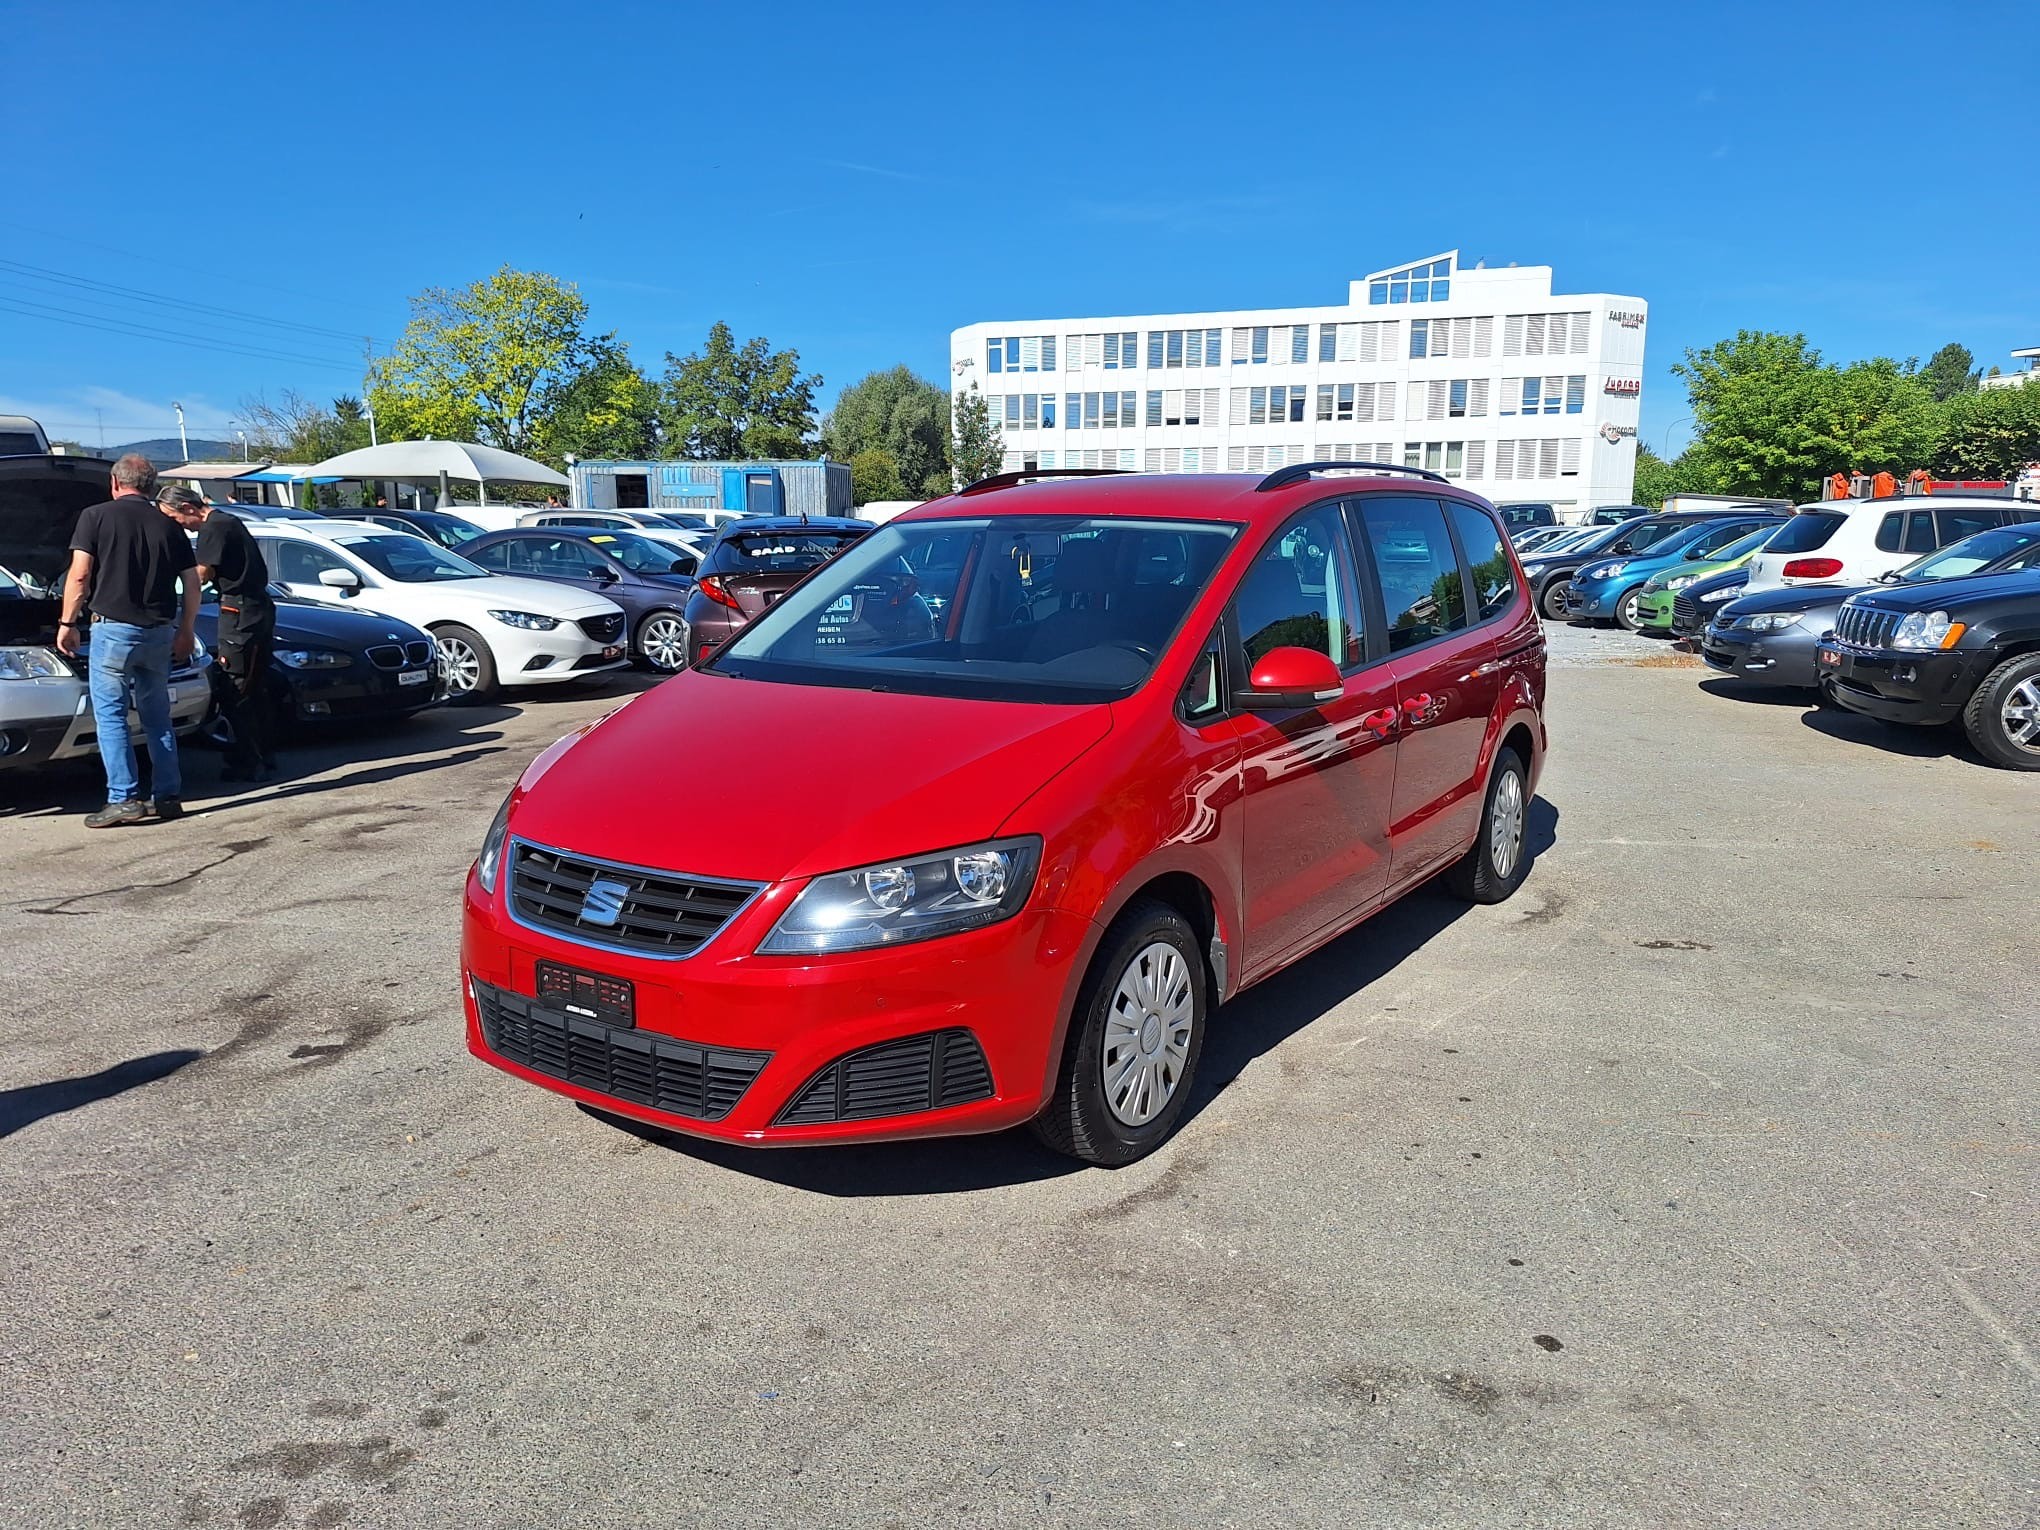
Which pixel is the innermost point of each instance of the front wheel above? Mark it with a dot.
(1629, 610)
(1552, 601)
(1496, 864)
(2003, 715)
(662, 641)
(1134, 1041)
(466, 662)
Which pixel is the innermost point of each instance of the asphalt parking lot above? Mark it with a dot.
(1691, 1187)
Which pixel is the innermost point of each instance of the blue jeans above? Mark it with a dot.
(132, 664)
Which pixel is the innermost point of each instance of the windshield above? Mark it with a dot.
(1742, 546)
(639, 554)
(668, 522)
(411, 560)
(1663, 536)
(1978, 551)
(1013, 608)
(452, 531)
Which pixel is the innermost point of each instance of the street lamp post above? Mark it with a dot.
(244, 444)
(183, 443)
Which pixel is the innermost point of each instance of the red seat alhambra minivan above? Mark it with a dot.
(1078, 757)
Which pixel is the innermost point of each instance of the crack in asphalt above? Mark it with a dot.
(233, 848)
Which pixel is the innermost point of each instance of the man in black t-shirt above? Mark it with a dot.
(133, 570)
(231, 562)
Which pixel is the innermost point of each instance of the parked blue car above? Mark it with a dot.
(1606, 589)
(650, 580)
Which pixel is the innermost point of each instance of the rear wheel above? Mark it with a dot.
(1496, 864)
(662, 641)
(2003, 715)
(1134, 1040)
(465, 661)
(1552, 601)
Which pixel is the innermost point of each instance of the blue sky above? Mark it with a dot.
(857, 181)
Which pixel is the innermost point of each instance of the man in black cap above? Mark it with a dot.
(231, 561)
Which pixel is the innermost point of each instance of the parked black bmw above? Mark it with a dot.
(1964, 650)
(330, 663)
(1773, 637)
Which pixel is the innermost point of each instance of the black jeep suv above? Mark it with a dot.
(1958, 649)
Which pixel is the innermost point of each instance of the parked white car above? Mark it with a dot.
(1852, 541)
(492, 630)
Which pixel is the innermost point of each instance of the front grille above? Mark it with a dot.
(1685, 611)
(678, 1077)
(401, 655)
(895, 1078)
(662, 914)
(603, 629)
(420, 651)
(1865, 626)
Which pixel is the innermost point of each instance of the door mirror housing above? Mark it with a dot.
(1287, 678)
(342, 579)
(684, 565)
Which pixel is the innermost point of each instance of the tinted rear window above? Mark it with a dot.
(780, 551)
(1806, 532)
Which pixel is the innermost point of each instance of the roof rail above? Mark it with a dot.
(1297, 472)
(1028, 475)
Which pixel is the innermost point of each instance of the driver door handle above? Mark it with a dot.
(1380, 723)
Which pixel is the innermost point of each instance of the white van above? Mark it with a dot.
(1852, 541)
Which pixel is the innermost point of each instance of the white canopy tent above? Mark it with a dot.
(438, 461)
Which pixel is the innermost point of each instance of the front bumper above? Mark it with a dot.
(1654, 610)
(358, 691)
(1595, 601)
(1918, 688)
(1768, 658)
(785, 1018)
(190, 700)
(566, 652)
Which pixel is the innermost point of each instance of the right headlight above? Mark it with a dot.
(33, 664)
(1927, 629)
(916, 898)
(490, 862)
(1772, 621)
(312, 658)
(531, 621)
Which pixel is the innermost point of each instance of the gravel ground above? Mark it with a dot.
(1692, 1187)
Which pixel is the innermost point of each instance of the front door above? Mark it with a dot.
(1316, 782)
(1446, 680)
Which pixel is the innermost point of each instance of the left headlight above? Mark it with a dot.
(906, 900)
(312, 658)
(1772, 621)
(33, 664)
(1927, 629)
(1606, 570)
(490, 861)
(531, 621)
(1728, 593)
(1680, 581)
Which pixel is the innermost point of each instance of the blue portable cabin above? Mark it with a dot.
(756, 488)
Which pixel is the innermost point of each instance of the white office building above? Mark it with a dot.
(1481, 373)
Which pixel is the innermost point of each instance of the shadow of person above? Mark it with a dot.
(26, 1106)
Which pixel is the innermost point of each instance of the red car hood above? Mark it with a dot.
(759, 782)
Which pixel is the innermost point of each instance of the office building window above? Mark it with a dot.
(1250, 344)
(1544, 334)
(1025, 411)
(1181, 459)
(1182, 406)
(1355, 451)
(1100, 411)
(1184, 347)
(1447, 457)
(1366, 340)
(1020, 353)
(1122, 351)
(1279, 405)
(1263, 459)
(1428, 283)
(1299, 343)
(1439, 338)
(1356, 401)
(1449, 398)
(1118, 351)
(1547, 458)
(1544, 395)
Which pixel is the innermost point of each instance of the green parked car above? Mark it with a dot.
(1654, 605)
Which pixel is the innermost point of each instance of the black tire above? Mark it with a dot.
(1627, 617)
(2002, 704)
(1480, 876)
(653, 634)
(1551, 604)
(1079, 1119)
(477, 679)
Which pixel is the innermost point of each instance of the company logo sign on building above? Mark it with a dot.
(1628, 318)
(1611, 432)
(1625, 387)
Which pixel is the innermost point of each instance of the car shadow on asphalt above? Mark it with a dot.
(1761, 695)
(1250, 1026)
(31, 1103)
(1937, 742)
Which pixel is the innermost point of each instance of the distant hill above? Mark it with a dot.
(167, 451)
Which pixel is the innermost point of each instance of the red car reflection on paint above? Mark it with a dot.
(1033, 779)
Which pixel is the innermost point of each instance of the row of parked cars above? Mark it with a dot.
(1920, 610)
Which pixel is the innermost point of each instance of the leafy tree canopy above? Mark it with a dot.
(727, 401)
(904, 416)
(1950, 371)
(608, 409)
(1990, 433)
(976, 447)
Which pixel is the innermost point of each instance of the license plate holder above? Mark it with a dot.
(414, 677)
(1829, 659)
(613, 651)
(590, 995)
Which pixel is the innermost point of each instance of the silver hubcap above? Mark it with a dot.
(1147, 1034)
(1505, 826)
(664, 642)
(2021, 715)
(1628, 610)
(461, 664)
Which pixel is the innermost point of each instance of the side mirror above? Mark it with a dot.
(344, 579)
(684, 566)
(1288, 678)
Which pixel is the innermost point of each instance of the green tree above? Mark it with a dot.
(728, 402)
(874, 475)
(609, 409)
(478, 362)
(1949, 371)
(976, 448)
(293, 428)
(1658, 480)
(902, 415)
(1990, 433)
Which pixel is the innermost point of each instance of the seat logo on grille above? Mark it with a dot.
(602, 904)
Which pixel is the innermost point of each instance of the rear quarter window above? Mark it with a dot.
(1807, 532)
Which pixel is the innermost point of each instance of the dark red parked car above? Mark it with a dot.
(1104, 751)
(752, 563)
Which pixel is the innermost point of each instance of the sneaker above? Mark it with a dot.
(115, 814)
(166, 809)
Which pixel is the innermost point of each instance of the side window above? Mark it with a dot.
(1891, 533)
(1713, 541)
(1919, 532)
(1203, 694)
(1954, 525)
(299, 562)
(1300, 592)
(1422, 593)
(1487, 555)
(497, 557)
